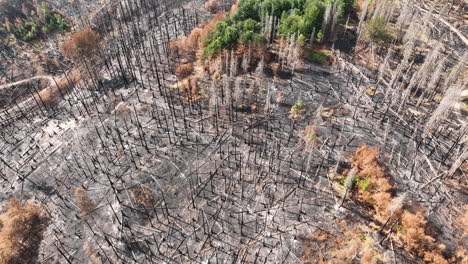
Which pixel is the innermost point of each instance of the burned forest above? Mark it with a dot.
(233, 131)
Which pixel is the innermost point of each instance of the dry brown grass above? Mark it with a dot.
(350, 244)
(83, 201)
(22, 229)
(184, 70)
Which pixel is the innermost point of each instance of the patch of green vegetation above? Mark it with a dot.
(319, 37)
(301, 40)
(342, 181)
(230, 32)
(26, 31)
(320, 57)
(298, 110)
(300, 17)
(39, 24)
(363, 183)
(359, 181)
(298, 106)
(377, 31)
(291, 24)
(399, 228)
(54, 22)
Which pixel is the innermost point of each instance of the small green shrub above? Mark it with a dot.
(320, 57)
(298, 110)
(301, 40)
(26, 31)
(299, 105)
(359, 181)
(342, 181)
(363, 183)
(377, 31)
(291, 25)
(319, 37)
(39, 24)
(54, 22)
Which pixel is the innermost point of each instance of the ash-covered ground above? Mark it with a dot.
(227, 178)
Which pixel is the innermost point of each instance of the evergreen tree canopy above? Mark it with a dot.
(297, 16)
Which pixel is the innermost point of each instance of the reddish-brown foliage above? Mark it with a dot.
(211, 25)
(192, 44)
(173, 46)
(411, 229)
(415, 240)
(83, 44)
(460, 256)
(184, 70)
(22, 229)
(378, 193)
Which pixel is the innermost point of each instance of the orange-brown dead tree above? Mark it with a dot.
(83, 43)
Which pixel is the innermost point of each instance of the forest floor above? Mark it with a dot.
(227, 178)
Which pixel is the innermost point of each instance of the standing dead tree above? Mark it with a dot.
(447, 104)
(330, 19)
